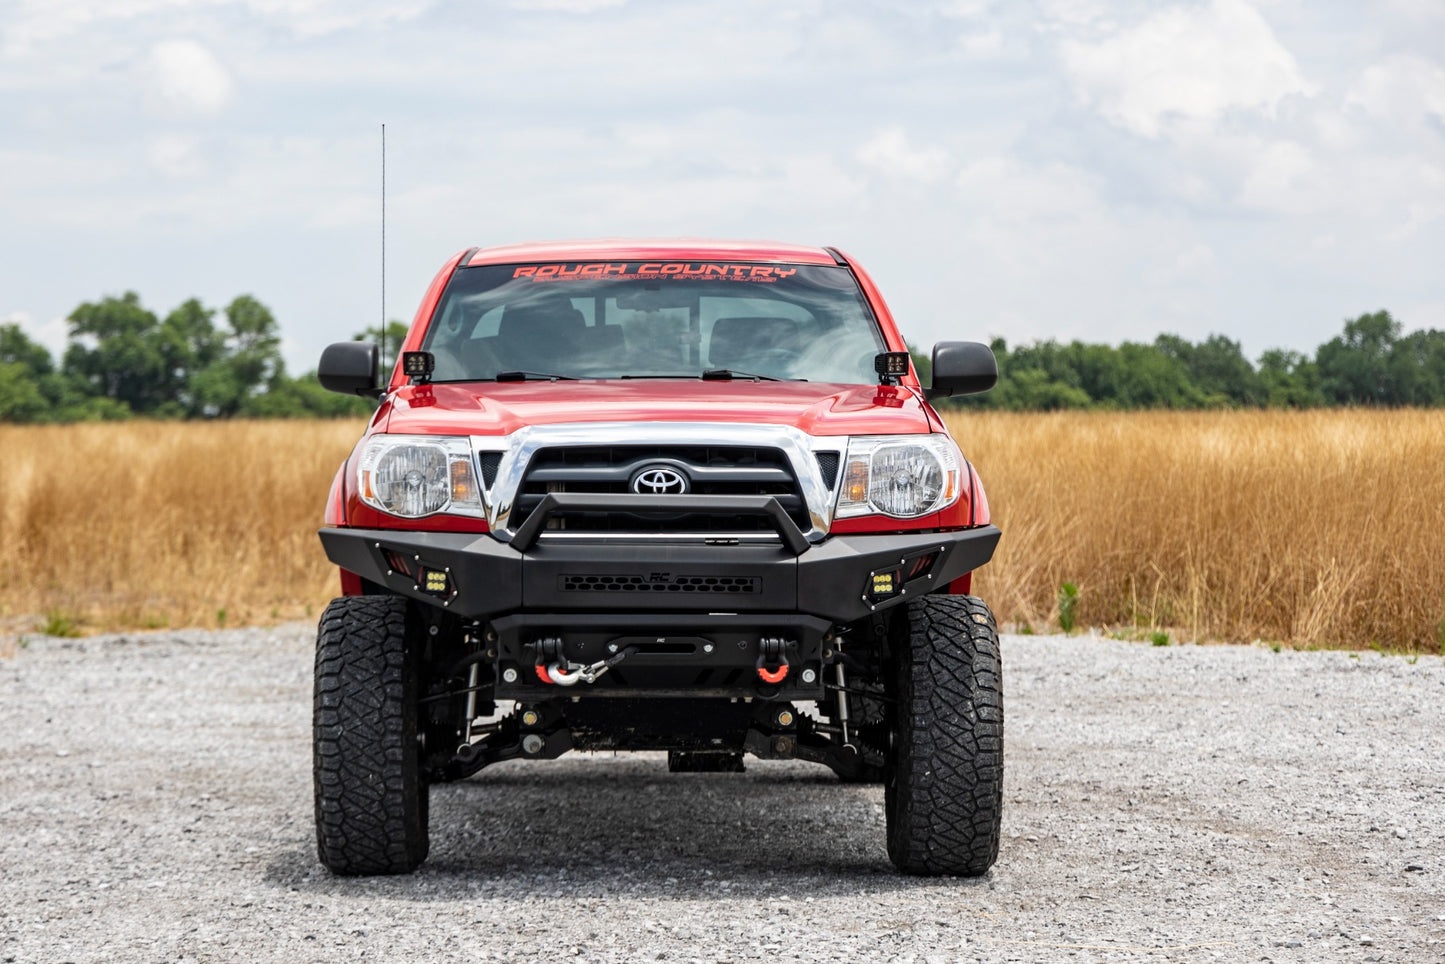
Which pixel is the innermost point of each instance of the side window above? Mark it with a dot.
(487, 323)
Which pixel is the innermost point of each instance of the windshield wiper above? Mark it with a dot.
(518, 376)
(712, 374)
(722, 374)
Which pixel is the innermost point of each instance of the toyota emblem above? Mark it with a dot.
(659, 480)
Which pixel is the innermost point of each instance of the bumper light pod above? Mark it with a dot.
(435, 582)
(884, 584)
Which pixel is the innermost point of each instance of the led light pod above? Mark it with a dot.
(415, 476)
(903, 476)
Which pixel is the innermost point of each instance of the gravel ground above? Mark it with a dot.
(1183, 803)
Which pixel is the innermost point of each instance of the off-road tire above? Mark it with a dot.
(371, 797)
(943, 790)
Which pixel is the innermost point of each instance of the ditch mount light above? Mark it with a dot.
(890, 366)
(418, 365)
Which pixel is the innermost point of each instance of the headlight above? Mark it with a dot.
(901, 476)
(414, 476)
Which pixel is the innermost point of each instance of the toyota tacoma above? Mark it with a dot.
(657, 495)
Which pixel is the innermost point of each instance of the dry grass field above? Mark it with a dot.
(1321, 528)
(152, 524)
(1313, 528)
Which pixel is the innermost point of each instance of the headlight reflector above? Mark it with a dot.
(900, 476)
(414, 476)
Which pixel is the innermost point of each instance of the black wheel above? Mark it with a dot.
(371, 797)
(943, 788)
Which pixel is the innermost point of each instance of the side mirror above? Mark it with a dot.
(351, 368)
(962, 368)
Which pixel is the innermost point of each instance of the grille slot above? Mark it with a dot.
(828, 465)
(716, 585)
(491, 461)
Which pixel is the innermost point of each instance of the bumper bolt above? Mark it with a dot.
(532, 743)
(783, 745)
(809, 676)
(531, 718)
(509, 675)
(785, 718)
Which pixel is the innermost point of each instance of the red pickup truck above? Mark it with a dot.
(657, 495)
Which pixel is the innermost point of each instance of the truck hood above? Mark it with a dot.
(492, 408)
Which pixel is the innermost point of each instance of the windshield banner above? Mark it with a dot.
(652, 270)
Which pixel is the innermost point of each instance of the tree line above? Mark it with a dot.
(1371, 362)
(123, 360)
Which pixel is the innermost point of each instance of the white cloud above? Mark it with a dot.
(891, 152)
(964, 9)
(314, 18)
(982, 45)
(1193, 63)
(1006, 190)
(39, 21)
(1285, 178)
(1074, 15)
(568, 6)
(1402, 88)
(185, 76)
(177, 155)
(1422, 11)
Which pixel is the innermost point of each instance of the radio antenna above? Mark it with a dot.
(383, 245)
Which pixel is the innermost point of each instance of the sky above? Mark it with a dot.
(1031, 169)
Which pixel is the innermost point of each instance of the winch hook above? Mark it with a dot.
(567, 673)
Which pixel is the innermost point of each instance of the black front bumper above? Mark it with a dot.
(485, 579)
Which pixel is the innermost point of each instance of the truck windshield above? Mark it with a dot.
(654, 319)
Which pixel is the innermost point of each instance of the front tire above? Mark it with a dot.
(943, 785)
(371, 797)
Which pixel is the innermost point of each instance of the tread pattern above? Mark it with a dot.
(371, 799)
(944, 785)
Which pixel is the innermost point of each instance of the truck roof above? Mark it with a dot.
(647, 249)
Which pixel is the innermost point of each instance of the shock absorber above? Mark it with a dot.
(473, 675)
(842, 681)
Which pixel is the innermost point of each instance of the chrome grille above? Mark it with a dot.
(710, 470)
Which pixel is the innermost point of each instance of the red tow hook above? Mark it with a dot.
(542, 675)
(777, 650)
(773, 675)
